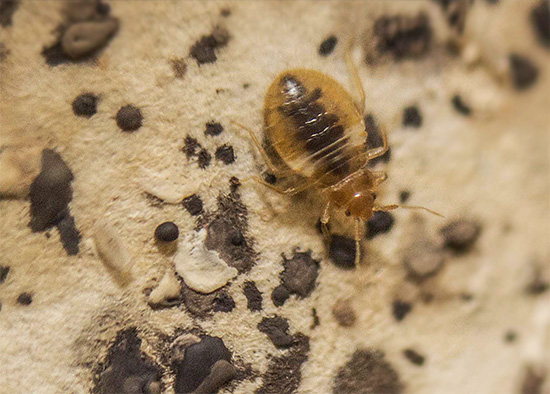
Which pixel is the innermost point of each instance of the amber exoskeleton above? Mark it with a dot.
(315, 133)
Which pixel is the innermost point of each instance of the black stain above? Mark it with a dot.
(213, 129)
(193, 204)
(197, 363)
(167, 232)
(524, 72)
(403, 36)
(342, 252)
(404, 196)
(253, 296)
(298, 277)
(126, 369)
(283, 375)
(461, 235)
(540, 19)
(129, 118)
(279, 295)
(7, 9)
(412, 117)
(4, 271)
(381, 222)
(69, 235)
(225, 154)
(460, 106)
(328, 45)
(223, 302)
(367, 372)
(414, 357)
(192, 148)
(24, 299)
(85, 105)
(204, 50)
(276, 328)
(401, 309)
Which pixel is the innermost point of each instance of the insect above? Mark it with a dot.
(315, 134)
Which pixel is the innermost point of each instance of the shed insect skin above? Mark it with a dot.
(317, 136)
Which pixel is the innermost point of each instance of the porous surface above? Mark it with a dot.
(117, 116)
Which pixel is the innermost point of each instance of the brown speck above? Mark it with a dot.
(85, 105)
(342, 252)
(4, 271)
(524, 72)
(540, 19)
(276, 328)
(461, 106)
(403, 36)
(7, 9)
(414, 357)
(179, 67)
(204, 158)
(225, 154)
(315, 322)
(412, 117)
(400, 309)
(129, 118)
(193, 205)
(404, 196)
(213, 129)
(253, 296)
(204, 50)
(367, 373)
(344, 313)
(328, 45)
(24, 299)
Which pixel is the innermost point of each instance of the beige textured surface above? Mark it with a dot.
(492, 166)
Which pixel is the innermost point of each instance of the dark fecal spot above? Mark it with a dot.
(213, 129)
(190, 147)
(412, 117)
(537, 285)
(167, 232)
(179, 67)
(316, 322)
(328, 46)
(198, 304)
(246, 85)
(403, 36)
(222, 229)
(50, 192)
(510, 336)
(342, 252)
(374, 140)
(276, 328)
(404, 196)
(400, 309)
(225, 12)
(197, 363)
(269, 178)
(54, 55)
(300, 273)
(414, 357)
(4, 271)
(461, 235)
(234, 184)
(253, 296)
(343, 313)
(524, 72)
(7, 9)
(225, 154)
(204, 158)
(283, 375)
(467, 297)
(103, 9)
(223, 302)
(540, 18)
(126, 369)
(204, 50)
(69, 235)
(279, 295)
(129, 118)
(381, 222)
(24, 299)
(533, 380)
(154, 201)
(85, 105)
(367, 373)
(461, 106)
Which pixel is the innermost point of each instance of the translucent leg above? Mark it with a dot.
(352, 69)
(290, 191)
(358, 236)
(268, 161)
(379, 151)
(324, 220)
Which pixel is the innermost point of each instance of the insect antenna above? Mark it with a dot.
(395, 206)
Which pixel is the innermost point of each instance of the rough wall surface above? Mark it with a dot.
(116, 117)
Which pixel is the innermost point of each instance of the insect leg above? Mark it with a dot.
(395, 206)
(358, 236)
(288, 191)
(324, 220)
(268, 161)
(377, 152)
(352, 69)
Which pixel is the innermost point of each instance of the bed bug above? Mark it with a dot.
(315, 134)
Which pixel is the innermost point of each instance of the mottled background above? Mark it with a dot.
(115, 117)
